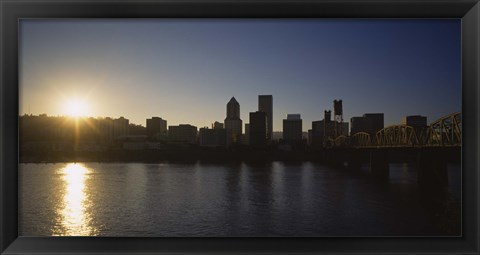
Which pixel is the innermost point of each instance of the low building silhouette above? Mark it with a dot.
(120, 127)
(182, 134)
(414, 121)
(369, 123)
(105, 129)
(217, 125)
(156, 127)
(277, 135)
(216, 137)
(133, 142)
(418, 122)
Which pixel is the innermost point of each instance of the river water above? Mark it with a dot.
(201, 199)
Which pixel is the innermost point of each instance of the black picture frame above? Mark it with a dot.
(12, 10)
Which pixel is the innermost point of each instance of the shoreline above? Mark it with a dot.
(260, 155)
(154, 156)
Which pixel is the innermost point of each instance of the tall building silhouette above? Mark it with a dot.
(265, 104)
(292, 128)
(258, 129)
(233, 123)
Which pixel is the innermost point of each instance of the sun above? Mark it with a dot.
(76, 108)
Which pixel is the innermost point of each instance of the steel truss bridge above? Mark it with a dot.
(444, 132)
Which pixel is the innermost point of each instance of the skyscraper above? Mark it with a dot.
(265, 104)
(233, 123)
(258, 129)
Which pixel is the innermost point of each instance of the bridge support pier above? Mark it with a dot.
(379, 166)
(355, 160)
(432, 171)
(334, 157)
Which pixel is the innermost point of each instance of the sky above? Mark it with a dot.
(186, 70)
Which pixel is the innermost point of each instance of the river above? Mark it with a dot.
(240, 199)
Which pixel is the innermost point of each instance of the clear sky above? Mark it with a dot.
(186, 70)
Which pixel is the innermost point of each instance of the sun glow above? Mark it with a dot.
(76, 108)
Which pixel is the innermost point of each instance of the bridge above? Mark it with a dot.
(444, 132)
(430, 149)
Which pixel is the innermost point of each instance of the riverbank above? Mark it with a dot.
(328, 156)
(156, 156)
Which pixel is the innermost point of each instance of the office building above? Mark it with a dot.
(217, 125)
(105, 130)
(419, 123)
(265, 104)
(258, 129)
(233, 123)
(87, 129)
(247, 134)
(215, 137)
(414, 121)
(323, 130)
(292, 128)
(369, 123)
(120, 127)
(277, 135)
(183, 134)
(374, 122)
(134, 142)
(309, 137)
(357, 125)
(156, 126)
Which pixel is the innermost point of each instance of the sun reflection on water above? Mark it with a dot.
(74, 218)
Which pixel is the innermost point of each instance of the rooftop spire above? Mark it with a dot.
(233, 100)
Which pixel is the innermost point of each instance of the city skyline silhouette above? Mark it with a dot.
(306, 127)
(186, 70)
